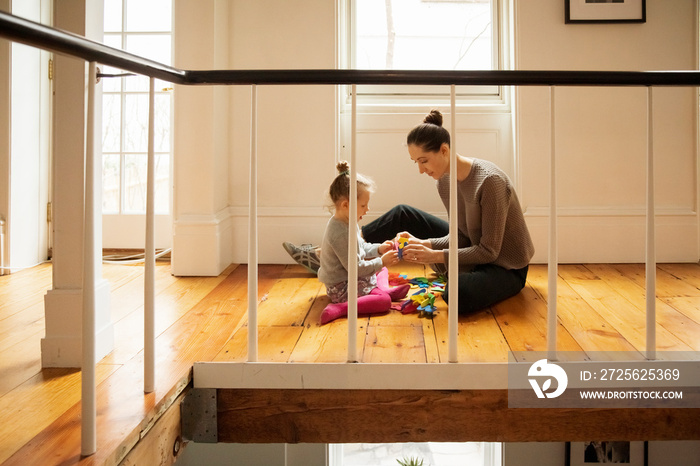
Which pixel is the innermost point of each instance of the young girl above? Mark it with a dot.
(373, 291)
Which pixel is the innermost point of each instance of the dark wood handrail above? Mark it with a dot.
(38, 35)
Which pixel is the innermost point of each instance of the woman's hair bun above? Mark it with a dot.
(433, 118)
(343, 166)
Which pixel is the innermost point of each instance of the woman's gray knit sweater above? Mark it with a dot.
(490, 220)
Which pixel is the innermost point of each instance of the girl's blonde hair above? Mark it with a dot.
(340, 187)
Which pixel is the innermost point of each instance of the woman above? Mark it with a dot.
(494, 245)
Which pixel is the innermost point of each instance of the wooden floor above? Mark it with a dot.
(601, 308)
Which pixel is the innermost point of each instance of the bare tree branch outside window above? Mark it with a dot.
(390, 35)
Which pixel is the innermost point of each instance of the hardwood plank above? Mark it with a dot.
(127, 291)
(275, 344)
(432, 352)
(589, 329)
(329, 342)
(289, 300)
(394, 344)
(123, 413)
(688, 273)
(21, 361)
(575, 272)
(670, 312)
(479, 338)
(624, 316)
(410, 270)
(313, 318)
(200, 319)
(523, 322)
(172, 302)
(124, 409)
(23, 289)
(537, 278)
(349, 416)
(689, 307)
(35, 405)
(667, 285)
(20, 326)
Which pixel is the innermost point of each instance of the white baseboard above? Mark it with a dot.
(594, 235)
(205, 245)
(62, 345)
(202, 244)
(276, 225)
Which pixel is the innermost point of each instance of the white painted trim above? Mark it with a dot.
(303, 212)
(617, 211)
(611, 239)
(206, 219)
(114, 225)
(587, 233)
(343, 376)
(281, 211)
(62, 344)
(426, 376)
(203, 244)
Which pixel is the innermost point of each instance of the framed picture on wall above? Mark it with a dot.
(606, 11)
(597, 452)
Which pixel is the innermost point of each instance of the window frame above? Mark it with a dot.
(123, 93)
(493, 453)
(370, 99)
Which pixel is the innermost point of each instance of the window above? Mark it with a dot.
(424, 35)
(432, 453)
(145, 29)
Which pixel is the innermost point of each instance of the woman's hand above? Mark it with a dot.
(413, 240)
(422, 254)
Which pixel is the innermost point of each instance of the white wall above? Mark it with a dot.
(5, 129)
(61, 347)
(296, 124)
(296, 129)
(29, 148)
(302, 131)
(201, 154)
(669, 453)
(278, 454)
(24, 155)
(601, 134)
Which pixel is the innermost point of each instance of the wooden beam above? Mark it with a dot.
(162, 444)
(352, 416)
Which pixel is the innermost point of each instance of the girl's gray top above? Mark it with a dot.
(334, 254)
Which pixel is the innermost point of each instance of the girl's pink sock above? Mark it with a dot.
(374, 303)
(395, 293)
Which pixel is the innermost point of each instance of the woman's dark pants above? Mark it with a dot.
(483, 286)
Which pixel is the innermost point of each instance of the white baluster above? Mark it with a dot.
(352, 237)
(253, 232)
(553, 260)
(88, 382)
(453, 268)
(149, 305)
(650, 235)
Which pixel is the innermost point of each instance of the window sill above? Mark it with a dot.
(420, 106)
